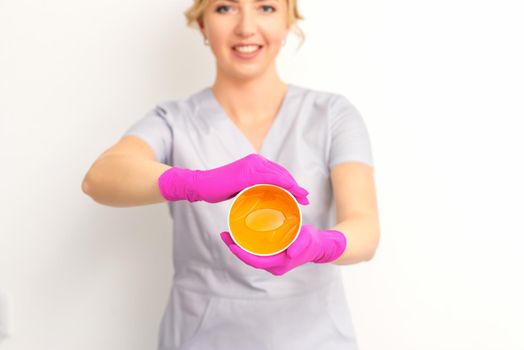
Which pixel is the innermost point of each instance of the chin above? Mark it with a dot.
(248, 76)
(245, 73)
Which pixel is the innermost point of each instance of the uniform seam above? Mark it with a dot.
(265, 297)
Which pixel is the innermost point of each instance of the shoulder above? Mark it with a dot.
(330, 101)
(184, 106)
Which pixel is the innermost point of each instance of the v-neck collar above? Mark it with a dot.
(218, 114)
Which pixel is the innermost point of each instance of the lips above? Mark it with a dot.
(246, 44)
(246, 51)
(246, 47)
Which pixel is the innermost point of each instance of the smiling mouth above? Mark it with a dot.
(247, 49)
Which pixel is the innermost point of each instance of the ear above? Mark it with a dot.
(201, 26)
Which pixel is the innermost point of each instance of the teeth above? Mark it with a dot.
(247, 49)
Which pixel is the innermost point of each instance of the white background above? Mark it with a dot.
(440, 86)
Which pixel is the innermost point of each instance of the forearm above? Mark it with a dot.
(124, 181)
(362, 237)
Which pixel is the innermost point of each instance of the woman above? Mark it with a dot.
(250, 127)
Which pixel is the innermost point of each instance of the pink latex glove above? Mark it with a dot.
(311, 245)
(219, 184)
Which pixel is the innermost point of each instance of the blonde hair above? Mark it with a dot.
(195, 14)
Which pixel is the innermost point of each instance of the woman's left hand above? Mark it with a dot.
(311, 245)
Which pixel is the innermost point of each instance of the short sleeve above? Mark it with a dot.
(350, 140)
(154, 128)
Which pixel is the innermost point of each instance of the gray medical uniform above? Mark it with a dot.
(217, 301)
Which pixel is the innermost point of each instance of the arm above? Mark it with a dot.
(357, 212)
(125, 175)
(128, 174)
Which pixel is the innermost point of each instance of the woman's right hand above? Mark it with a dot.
(222, 183)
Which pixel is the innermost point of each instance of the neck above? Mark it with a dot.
(251, 100)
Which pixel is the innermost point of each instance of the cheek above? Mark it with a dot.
(217, 33)
(219, 45)
(215, 37)
(274, 43)
(274, 33)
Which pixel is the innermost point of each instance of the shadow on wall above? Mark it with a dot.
(5, 314)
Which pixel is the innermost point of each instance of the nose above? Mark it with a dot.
(246, 25)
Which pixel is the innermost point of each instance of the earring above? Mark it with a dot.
(206, 42)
